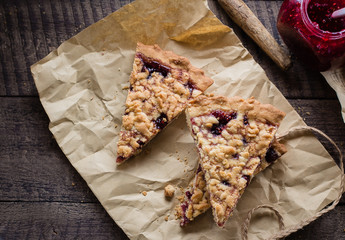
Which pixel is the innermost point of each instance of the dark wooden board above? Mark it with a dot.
(56, 220)
(33, 168)
(41, 195)
(29, 30)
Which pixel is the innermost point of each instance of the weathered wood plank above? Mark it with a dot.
(37, 220)
(34, 220)
(31, 29)
(33, 168)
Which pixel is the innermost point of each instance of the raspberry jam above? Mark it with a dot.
(311, 34)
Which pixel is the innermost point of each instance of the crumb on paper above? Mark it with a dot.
(125, 87)
(144, 193)
(166, 218)
(169, 191)
(115, 125)
(91, 98)
(119, 69)
(180, 198)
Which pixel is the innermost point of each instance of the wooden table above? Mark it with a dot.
(41, 194)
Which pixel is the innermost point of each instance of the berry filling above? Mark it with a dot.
(247, 178)
(153, 66)
(190, 86)
(120, 159)
(245, 120)
(185, 220)
(188, 194)
(271, 155)
(226, 183)
(199, 169)
(161, 121)
(223, 119)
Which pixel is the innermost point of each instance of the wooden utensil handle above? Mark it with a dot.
(241, 14)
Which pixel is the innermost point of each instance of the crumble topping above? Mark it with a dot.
(161, 83)
(195, 199)
(232, 136)
(169, 191)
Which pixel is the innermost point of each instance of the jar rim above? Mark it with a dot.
(309, 24)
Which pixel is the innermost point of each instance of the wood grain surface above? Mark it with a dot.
(41, 194)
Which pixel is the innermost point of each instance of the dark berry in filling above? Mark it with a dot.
(153, 66)
(141, 143)
(190, 86)
(199, 169)
(120, 159)
(161, 121)
(271, 155)
(245, 120)
(226, 183)
(185, 220)
(188, 194)
(236, 156)
(247, 178)
(223, 119)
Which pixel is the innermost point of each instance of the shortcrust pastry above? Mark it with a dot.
(161, 84)
(232, 136)
(196, 199)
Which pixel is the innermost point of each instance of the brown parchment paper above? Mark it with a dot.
(81, 83)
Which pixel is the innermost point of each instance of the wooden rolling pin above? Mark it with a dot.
(240, 13)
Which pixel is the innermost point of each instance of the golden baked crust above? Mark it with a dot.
(254, 109)
(232, 136)
(196, 76)
(161, 84)
(195, 199)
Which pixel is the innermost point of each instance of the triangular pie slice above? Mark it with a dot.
(195, 199)
(232, 137)
(161, 83)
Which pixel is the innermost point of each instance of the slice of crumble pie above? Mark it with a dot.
(161, 84)
(196, 199)
(232, 136)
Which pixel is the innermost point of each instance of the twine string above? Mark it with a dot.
(286, 231)
(246, 223)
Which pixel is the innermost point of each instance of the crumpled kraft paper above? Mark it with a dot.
(82, 86)
(336, 79)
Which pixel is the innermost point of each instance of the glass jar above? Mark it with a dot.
(311, 34)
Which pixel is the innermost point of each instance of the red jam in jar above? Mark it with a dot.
(311, 34)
